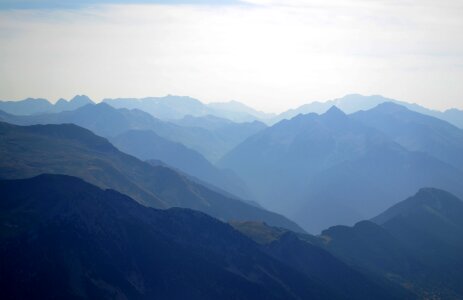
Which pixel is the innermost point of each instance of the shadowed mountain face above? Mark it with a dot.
(147, 145)
(323, 170)
(429, 223)
(416, 132)
(417, 243)
(354, 103)
(71, 150)
(107, 121)
(63, 238)
(303, 252)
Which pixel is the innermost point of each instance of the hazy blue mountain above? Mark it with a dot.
(173, 107)
(33, 106)
(108, 121)
(323, 170)
(27, 106)
(62, 238)
(147, 145)
(453, 116)
(101, 119)
(238, 111)
(208, 122)
(75, 103)
(416, 132)
(355, 102)
(165, 108)
(231, 133)
(27, 151)
(417, 243)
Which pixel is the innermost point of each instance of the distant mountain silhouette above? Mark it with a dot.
(355, 102)
(165, 108)
(62, 238)
(173, 107)
(74, 103)
(417, 243)
(229, 132)
(70, 150)
(323, 170)
(416, 132)
(27, 106)
(107, 121)
(32, 106)
(147, 145)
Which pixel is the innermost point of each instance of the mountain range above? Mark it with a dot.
(61, 237)
(323, 170)
(354, 102)
(67, 149)
(33, 106)
(416, 132)
(107, 121)
(171, 198)
(173, 107)
(147, 145)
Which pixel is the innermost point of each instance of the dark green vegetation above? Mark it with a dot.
(417, 244)
(27, 151)
(329, 169)
(61, 237)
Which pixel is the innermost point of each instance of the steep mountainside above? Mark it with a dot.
(147, 145)
(303, 252)
(68, 149)
(417, 243)
(62, 238)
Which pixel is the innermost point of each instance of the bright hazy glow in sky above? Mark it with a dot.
(270, 54)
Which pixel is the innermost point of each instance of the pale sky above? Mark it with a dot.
(270, 54)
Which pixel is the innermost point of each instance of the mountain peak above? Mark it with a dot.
(61, 101)
(83, 99)
(334, 111)
(431, 200)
